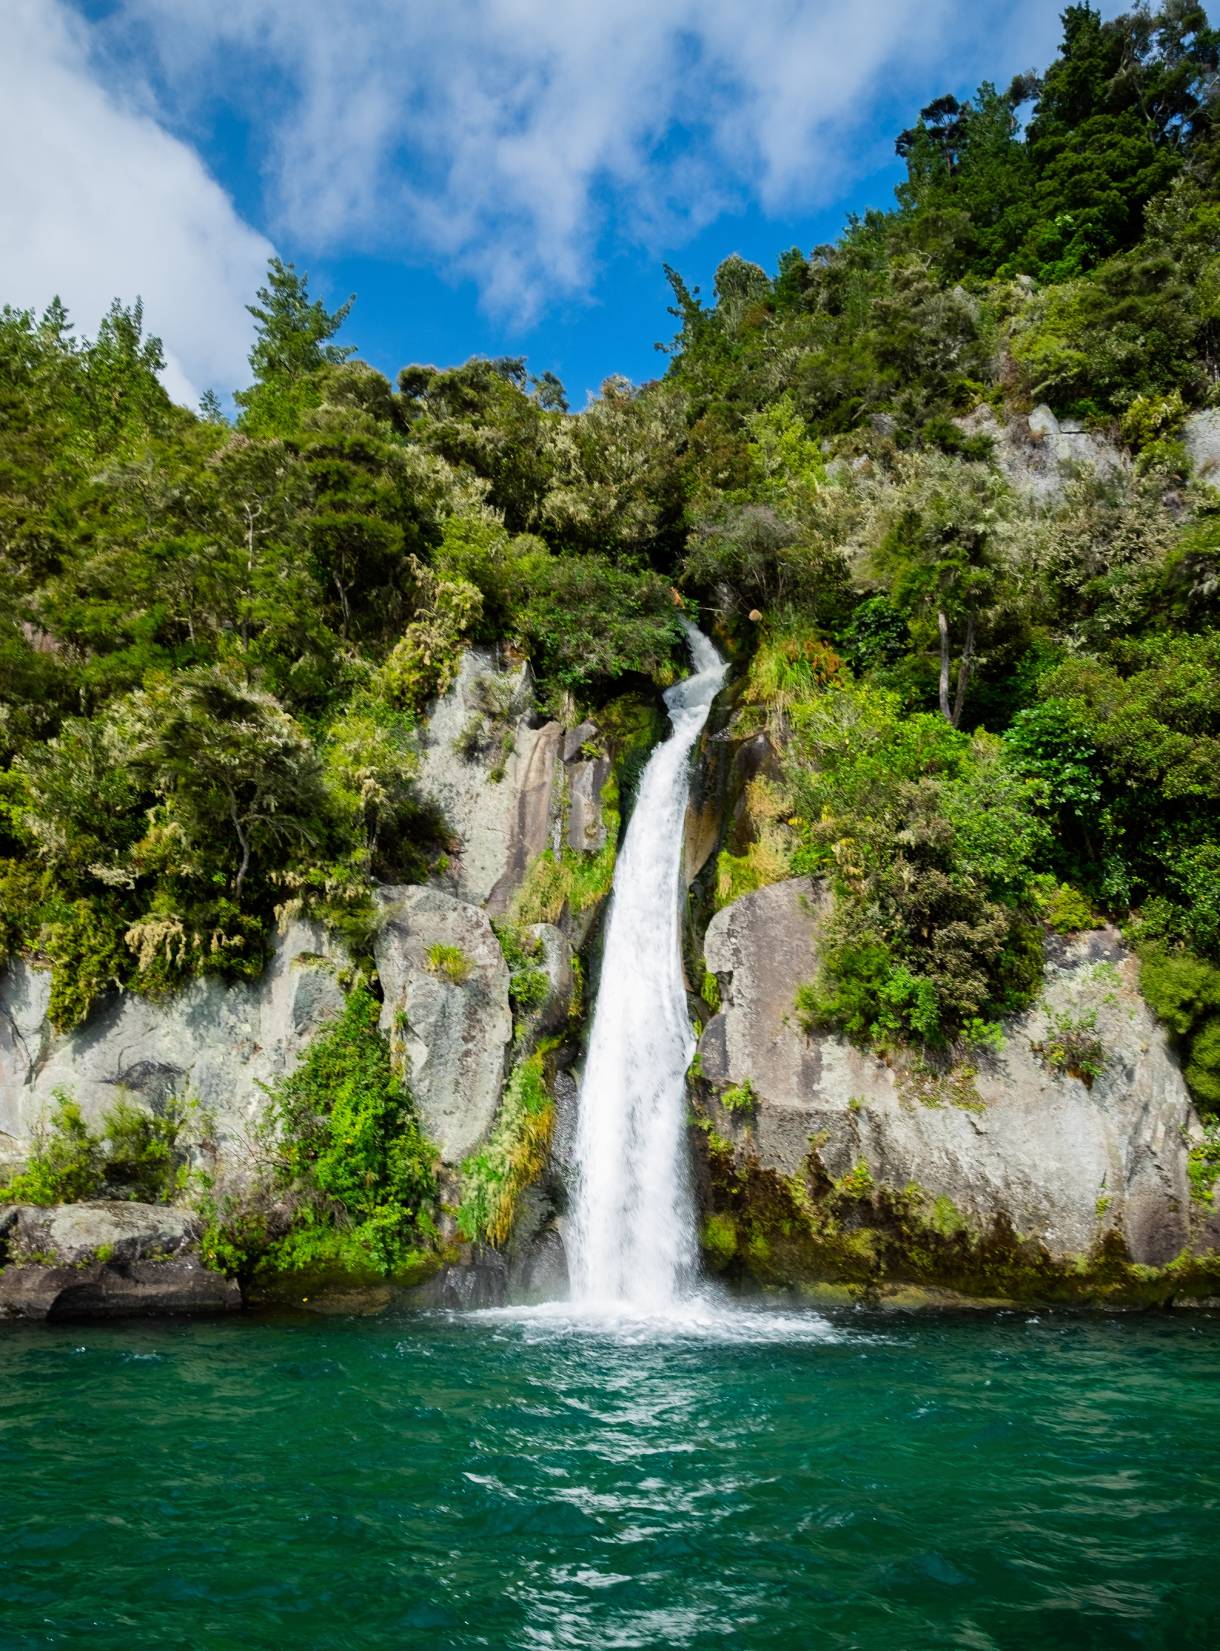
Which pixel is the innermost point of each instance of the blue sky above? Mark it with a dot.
(488, 176)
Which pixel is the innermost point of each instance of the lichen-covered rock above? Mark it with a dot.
(1038, 454)
(1014, 1139)
(449, 1030)
(70, 1234)
(217, 1043)
(490, 774)
(1201, 435)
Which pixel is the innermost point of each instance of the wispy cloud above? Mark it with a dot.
(98, 201)
(503, 136)
(510, 141)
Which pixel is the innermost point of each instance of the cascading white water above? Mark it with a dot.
(633, 1239)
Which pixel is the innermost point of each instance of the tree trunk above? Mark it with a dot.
(245, 848)
(942, 621)
(963, 671)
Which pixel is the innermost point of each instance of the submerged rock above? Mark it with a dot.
(1009, 1139)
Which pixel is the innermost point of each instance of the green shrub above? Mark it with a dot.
(789, 667)
(494, 1178)
(144, 1157)
(1183, 990)
(529, 984)
(584, 620)
(349, 1158)
(719, 1239)
(930, 842)
(136, 1154)
(1203, 1166)
(710, 990)
(1073, 1046)
(450, 963)
(766, 860)
(857, 1182)
(1062, 907)
(1179, 987)
(1150, 419)
(425, 661)
(88, 957)
(68, 1163)
(741, 1099)
(1202, 1070)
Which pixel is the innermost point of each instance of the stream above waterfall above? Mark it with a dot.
(453, 1481)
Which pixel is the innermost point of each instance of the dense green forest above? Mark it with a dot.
(990, 712)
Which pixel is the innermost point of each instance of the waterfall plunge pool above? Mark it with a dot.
(540, 1480)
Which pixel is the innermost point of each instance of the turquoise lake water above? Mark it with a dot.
(1018, 1481)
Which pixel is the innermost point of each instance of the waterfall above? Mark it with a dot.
(633, 1231)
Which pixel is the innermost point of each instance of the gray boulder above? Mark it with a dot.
(69, 1234)
(449, 1032)
(1201, 434)
(105, 1260)
(1038, 454)
(532, 797)
(140, 1289)
(586, 824)
(1062, 1161)
(556, 959)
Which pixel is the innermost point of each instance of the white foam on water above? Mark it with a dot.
(696, 1317)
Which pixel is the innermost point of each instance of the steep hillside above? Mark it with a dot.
(945, 493)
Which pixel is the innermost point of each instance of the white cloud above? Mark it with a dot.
(506, 137)
(507, 140)
(98, 201)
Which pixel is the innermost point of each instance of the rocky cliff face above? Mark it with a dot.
(1065, 1168)
(214, 1043)
(1009, 1176)
(1037, 454)
(502, 783)
(510, 791)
